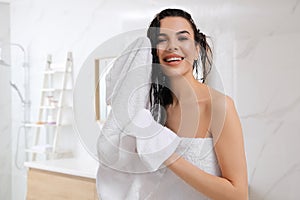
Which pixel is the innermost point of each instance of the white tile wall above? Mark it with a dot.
(5, 108)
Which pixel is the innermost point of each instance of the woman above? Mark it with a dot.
(203, 118)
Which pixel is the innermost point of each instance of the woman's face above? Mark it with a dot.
(176, 47)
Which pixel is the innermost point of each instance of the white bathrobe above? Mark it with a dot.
(132, 146)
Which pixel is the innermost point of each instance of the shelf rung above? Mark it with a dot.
(44, 125)
(48, 90)
(53, 71)
(54, 89)
(54, 107)
(40, 149)
(48, 107)
(48, 150)
(38, 125)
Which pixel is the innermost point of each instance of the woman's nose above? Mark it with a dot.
(172, 45)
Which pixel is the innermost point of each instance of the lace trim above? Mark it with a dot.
(199, 151)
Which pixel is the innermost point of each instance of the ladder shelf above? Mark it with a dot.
(53, 106)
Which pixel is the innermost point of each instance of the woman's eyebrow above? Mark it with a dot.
(178, 33)
(182, 32)
(162, 34)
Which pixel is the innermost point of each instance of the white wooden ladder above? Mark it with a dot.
(57, 81)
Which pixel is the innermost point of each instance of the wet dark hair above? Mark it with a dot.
(160, 94)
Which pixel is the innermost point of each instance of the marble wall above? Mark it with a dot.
(5, 108)
(256, 47)
(267, 72)
(268, 97)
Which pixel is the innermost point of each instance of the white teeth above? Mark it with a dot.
(173, 59)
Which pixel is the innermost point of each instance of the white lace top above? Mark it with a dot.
(200, 152)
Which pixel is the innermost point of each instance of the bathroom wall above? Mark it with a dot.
(5, 106)
(267, 72)
(268, 99)
(256, 46)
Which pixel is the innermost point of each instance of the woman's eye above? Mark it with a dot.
(161, 40)
(182, 38)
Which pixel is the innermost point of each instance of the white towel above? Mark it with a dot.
(131, 143)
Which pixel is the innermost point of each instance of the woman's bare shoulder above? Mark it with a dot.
(219, 99)
(221, 104)
(218, 102)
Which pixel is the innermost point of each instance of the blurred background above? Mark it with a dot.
(256, 48)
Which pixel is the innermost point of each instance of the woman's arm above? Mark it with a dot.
(230, 152)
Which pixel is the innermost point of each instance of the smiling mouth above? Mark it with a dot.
(170, 59)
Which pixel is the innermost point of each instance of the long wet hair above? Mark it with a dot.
(160, 94)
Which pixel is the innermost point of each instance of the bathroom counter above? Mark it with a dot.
(62, 179)
(84, 168)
